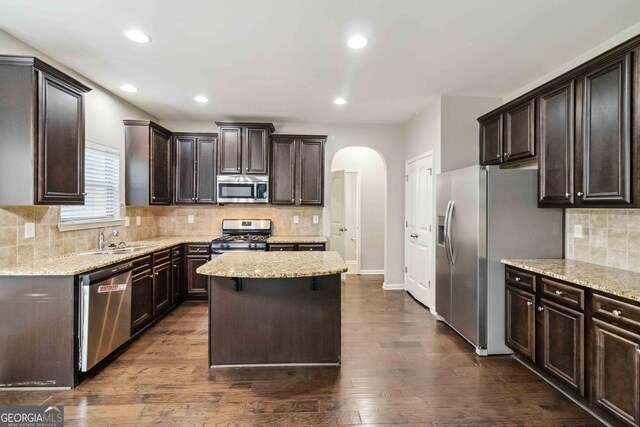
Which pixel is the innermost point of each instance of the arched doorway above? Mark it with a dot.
(358, 209)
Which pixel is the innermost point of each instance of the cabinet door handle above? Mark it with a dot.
(559, 293)
(518, 279)
(157, 273)
(151, 276)
(498, 156)
(579, 194)
(617, 313)
(567, 195)
(529, 303)
(175, 265)
(84, 194)
(540, 308)
(506, 154)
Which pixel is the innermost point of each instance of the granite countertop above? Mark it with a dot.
(77, 263)
(297, 239)
(274, 265)
(613, 281)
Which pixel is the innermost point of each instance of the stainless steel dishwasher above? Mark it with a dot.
(105, 312)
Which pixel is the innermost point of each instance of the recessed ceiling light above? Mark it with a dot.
(339, 101)
(128, 88)
(201, 98)
(137, 36)
(357, 42)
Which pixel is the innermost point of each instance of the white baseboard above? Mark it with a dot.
(371, 271)
(393, 287)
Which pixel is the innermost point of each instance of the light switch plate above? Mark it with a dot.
(138, 220)
(577, 231)
(127, 221)
(316, 218)
(296, 219)
(29, 230)
(190, 219)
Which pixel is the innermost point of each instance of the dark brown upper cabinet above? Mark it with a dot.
(41, 134)
(297, 171)
(519, 132)
(244, 148)
(195, 163)
(556, 138)
(603, 144)
(491, 140)
(149, 175)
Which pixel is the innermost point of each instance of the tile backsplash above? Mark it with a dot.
(610, 237)
(154, 221)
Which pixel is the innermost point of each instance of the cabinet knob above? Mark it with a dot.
(567, 195)
(579, 194)
(151, 276)
(84, 194)
(559, 293)
(617, 313)
(540, 308)
(157, 273)
(498, 156)
(529, 303)
(518, 279)
(506, 154)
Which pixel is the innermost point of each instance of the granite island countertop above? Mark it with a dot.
(297, 239)
(274, 265)
(78, 263)
(609, 280)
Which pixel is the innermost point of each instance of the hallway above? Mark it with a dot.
(399, 367)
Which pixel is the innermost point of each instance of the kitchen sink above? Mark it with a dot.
(119, 251)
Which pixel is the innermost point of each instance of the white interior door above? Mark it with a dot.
(337, 212)
(410, 228)
(351, 221)
(419, 237)
(423, 290)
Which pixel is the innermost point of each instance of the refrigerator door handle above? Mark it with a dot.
(446, 232)
(449, 240)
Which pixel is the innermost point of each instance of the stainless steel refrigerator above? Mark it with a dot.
(486, 214)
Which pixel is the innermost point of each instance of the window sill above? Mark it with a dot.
(86, 225)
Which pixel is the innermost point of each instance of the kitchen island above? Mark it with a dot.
(274, 308)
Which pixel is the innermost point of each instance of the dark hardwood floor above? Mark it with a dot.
(400, 366)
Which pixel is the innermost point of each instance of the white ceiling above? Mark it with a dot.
(285, 60)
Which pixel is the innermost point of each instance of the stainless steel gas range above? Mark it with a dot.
(242, 235)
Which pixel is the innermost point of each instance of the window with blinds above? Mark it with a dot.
(102, 185)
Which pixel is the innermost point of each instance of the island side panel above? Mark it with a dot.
(274, 321)
(37, 340)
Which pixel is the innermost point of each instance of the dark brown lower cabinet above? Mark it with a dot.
(196, 283)
(563, 342)
(141, 300)
(162, 287)
(615, 371)
(521, 322)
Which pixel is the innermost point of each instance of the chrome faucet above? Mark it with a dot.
(102, 240)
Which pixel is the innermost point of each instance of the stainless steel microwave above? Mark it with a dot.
(243, 188)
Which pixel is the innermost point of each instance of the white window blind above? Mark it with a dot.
(102, 185)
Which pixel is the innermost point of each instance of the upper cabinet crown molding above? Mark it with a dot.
(266, 125)
(41, 134)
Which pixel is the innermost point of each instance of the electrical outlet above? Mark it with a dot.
(138, 220)
(29, 230)
(190, 219)
(127, 221)
(296, 219)
(315, 219)
(577, 231)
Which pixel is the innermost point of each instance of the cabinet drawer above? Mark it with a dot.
(526, 281)
(311, 247)
(176, 252)
(162, 256)
(563, 293)
(282, 247)
(615, 311)
(201, 249)
(142, 265)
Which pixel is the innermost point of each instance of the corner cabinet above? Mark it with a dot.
(195, 168)
(148, 164)
(297, 170)
(244, 148)
(41, 134)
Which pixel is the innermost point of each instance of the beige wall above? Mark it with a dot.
(387, 140)
(370, 166)
(104, 111)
